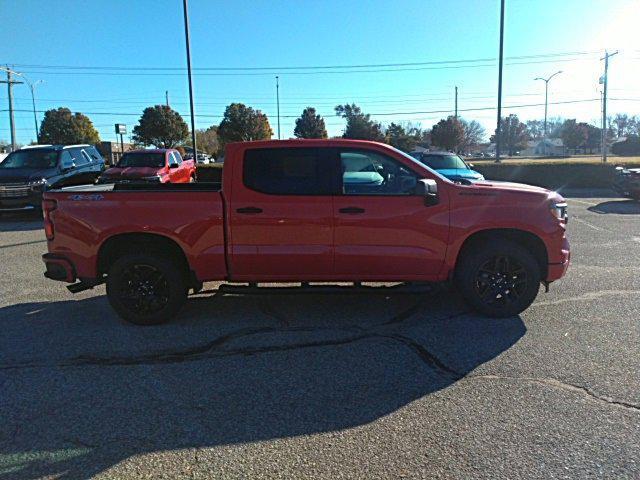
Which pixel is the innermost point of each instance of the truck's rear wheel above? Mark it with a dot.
(146, 289)
(498, 279)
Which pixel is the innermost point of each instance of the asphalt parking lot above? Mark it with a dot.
(370, 385)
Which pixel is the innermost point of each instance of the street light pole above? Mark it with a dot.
(546, 97)
(193, 116)
(500, 80)
(278, 102)
(32, 86)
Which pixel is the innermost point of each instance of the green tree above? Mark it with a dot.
(62, 127)
(207, 139)
(359, 125)
(573, 134)
(403, 137)
(243, 124)
(513, 134)
(448, 134)
(160, 126)
(310, 125)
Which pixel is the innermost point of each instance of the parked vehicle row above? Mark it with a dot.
(154, 166)
(26, 173)
(304, 211)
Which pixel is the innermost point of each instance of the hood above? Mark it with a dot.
(453, 173)
(115, 173)
(511, 187)
(24, 175)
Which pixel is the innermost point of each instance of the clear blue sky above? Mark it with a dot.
(149, 33)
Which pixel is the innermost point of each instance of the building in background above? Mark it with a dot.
(111, 151)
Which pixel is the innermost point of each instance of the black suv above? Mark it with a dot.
(27, 172)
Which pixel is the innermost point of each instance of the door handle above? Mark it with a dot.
(352, 210)
(249, 210)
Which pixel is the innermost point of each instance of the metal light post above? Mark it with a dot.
(193, 115)
(500, 58)
(546, 97)
(278, 102)
(32, 86)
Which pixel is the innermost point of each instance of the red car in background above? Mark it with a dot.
(163, 165)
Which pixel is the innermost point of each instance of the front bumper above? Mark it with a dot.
(59, 268)
(556, 271)
(32, 201)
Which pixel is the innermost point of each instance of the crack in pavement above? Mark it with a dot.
(559, 384)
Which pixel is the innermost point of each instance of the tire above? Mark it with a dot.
(146, 289)
(498, 278)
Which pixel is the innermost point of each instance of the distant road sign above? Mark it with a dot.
(121, 128)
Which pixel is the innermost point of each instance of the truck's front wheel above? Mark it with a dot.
(498, 279)
(146, 289)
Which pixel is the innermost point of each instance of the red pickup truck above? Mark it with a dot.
(307, 211)
(162, 165)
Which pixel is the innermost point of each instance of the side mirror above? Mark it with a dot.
(68, 167)
(471, 165)
(173, 165)
(428, 189)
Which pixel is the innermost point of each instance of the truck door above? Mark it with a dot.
(281, 215)
(383, 230)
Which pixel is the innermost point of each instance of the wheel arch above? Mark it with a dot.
(121, 244)
(524, 238)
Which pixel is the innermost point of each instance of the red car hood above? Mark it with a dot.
(513, 187)
(130, 172)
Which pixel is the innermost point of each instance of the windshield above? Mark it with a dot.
(141, 159)
(36, 159)
(443, 162)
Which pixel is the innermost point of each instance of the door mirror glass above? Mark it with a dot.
(428, 188)
(173, 165)
(66, 161)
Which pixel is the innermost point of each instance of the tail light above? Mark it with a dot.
(48, 206)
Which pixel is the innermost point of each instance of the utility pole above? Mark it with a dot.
(456, 103)
(546, 97)
(278, 102)
(500, 80)
(604, 103)
(166, 97)
(193, 115)
(10, 83)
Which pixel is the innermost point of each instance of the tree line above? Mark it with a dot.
(163, 127)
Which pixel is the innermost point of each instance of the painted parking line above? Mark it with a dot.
(584, 222)
(581, 201)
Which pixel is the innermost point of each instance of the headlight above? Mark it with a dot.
(155, 179)
(38, 185)
(559, 210)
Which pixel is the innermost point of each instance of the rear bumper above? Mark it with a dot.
(59, 268)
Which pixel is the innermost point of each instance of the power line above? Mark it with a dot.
(476, 109)
(309, 67)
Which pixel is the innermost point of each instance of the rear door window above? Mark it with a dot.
(288, 171)
(78, 158)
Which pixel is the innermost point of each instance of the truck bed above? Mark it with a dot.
(190, 214)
